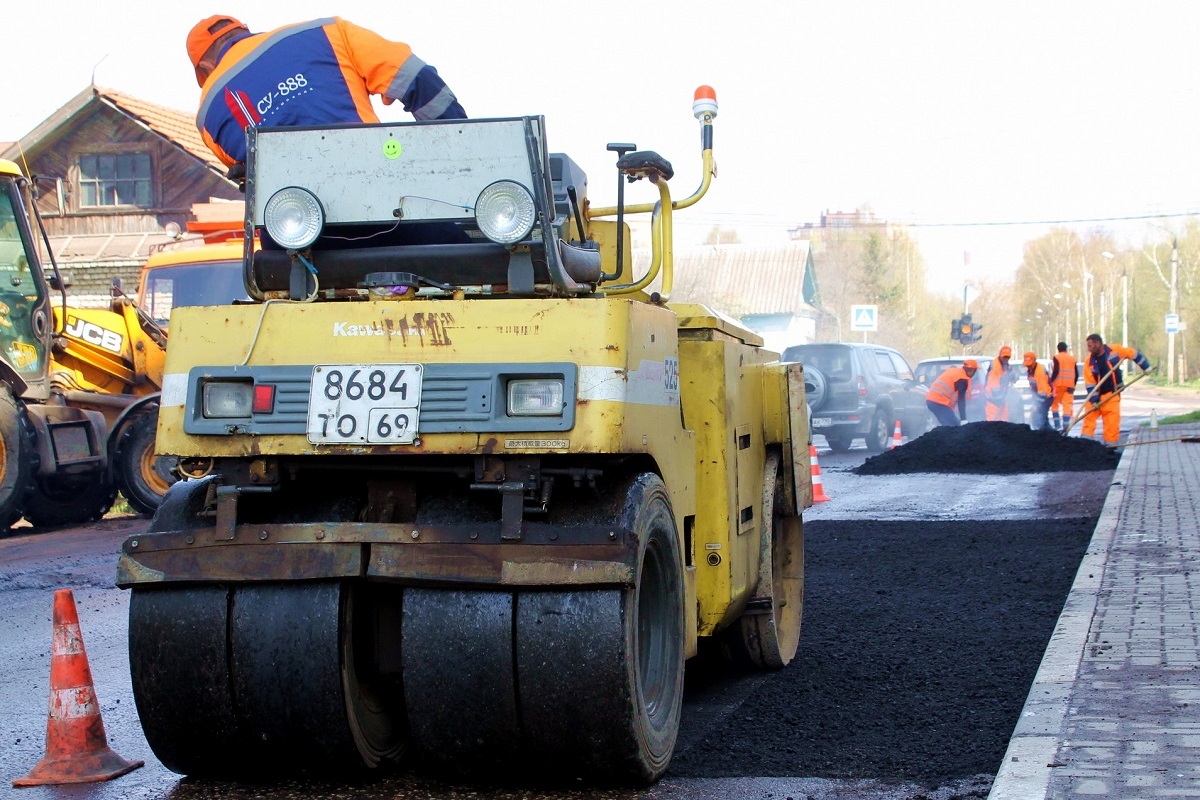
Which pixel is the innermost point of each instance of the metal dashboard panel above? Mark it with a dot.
(365, 173)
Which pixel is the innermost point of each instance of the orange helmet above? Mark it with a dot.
(971, 365)
(1005, 352)
(206, 32)
(1029, 358)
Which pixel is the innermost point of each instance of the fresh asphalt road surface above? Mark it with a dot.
(33, 565)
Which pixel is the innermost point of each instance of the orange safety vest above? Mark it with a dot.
(1068, 370)
(998, 381)
(942, 391)
(1040, 381)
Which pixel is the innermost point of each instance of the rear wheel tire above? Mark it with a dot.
(839, 444)
(880, 431)
(142, 476)
(53, 504)
(17, 458)
(816, 387)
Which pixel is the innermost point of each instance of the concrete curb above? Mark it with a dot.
(1026, 769)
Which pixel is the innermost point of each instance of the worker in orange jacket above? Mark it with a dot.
(1104, 364)
(950, 390)
(321, 72)
(1063, 377)
(999, 380)
(1042, 393)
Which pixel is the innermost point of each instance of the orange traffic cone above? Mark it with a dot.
(77, 748)
(897, 437)
(819, 495)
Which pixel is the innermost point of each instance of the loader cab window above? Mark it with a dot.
(212, 283)
(20, 291)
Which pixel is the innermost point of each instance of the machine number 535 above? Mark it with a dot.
(364, 403)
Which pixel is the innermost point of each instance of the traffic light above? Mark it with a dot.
(968, 331)
(956, 329)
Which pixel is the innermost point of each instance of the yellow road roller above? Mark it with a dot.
(462, 484)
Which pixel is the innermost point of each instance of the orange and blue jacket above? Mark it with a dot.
(321, 72)
(1106, 361)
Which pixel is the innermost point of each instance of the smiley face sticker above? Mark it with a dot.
(391, 149)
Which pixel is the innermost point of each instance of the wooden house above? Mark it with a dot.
(112, 172)
(770, 289)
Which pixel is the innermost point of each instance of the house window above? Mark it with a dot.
(114, 179)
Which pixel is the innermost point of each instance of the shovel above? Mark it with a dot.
(1084, 410)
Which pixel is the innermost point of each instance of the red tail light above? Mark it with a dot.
(862, 387)
(264, 398)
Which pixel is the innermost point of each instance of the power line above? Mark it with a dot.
(734, 218)
(1078, 221)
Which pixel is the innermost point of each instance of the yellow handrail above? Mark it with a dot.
(705, 181)
(661, 237)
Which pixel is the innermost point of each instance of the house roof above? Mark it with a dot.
(177, 127)
(745, 279)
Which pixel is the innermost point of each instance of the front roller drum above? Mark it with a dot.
(584, 682)
(179, 664)
(234, 681)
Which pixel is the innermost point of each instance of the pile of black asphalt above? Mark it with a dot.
(992, 448)
(918, 647)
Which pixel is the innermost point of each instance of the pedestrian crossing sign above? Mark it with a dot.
(864, 318)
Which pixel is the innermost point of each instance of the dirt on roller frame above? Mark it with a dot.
(992, 448)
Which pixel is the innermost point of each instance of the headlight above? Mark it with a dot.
(535, 397)
(227, 399)
(294, 217)
(504, 211)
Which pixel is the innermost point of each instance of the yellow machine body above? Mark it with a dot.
(498, 483)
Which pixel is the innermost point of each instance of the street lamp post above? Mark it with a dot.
(1124, 298)
(1171, 335)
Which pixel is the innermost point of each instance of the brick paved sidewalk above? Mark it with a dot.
(1115, 708)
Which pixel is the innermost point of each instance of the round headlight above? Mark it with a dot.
(504, 212)
(294, 217)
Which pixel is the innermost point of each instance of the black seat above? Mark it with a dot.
(645, 164)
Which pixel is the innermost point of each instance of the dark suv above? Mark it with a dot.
(859, 391)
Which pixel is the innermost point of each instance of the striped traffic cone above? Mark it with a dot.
(819, 495)
(897, 437)
(77, 748)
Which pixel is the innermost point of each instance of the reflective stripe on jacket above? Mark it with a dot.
(998, 381)
(1109, 359)
(321, 72)
(1066, 370)
(950, 388)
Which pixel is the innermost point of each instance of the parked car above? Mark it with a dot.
(928, 370)
(859, 391)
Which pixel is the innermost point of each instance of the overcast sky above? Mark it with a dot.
(934, 113)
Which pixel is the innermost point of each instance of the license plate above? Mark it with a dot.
(822, 422)
(364, 403)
